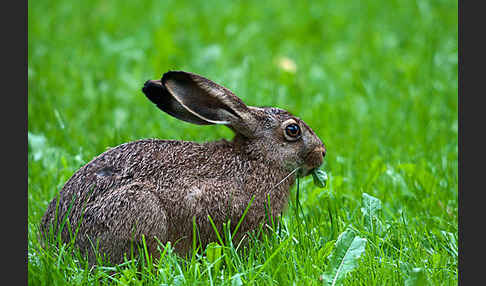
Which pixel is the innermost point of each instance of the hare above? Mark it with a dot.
(156, 188)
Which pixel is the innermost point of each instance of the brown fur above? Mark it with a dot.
(155, 187)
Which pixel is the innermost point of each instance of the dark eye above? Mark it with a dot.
(292, 131)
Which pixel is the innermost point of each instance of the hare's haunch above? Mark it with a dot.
(156, 188)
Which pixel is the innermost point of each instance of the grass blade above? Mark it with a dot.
(347, 251)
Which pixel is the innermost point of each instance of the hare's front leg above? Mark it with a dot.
(115, 223)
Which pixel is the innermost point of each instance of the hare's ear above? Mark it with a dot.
(193, 98)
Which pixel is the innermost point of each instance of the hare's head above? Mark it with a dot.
(266, 133)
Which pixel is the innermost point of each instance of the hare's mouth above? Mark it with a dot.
(310, 171)
(304, 172)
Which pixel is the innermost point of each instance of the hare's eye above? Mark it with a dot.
(292, 131)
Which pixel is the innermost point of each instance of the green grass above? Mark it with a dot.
(376, 80)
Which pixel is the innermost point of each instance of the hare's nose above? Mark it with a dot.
(321, 150)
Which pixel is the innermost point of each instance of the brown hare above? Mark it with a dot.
(157, 187)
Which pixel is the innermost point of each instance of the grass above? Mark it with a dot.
(377, 80)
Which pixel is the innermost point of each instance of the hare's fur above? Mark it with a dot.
(156, 187)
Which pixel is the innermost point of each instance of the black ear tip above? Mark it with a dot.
(151, 85)
(146, 83)
(152, 89)
(145, 86)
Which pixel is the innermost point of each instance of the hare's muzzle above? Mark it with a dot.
(315, 158)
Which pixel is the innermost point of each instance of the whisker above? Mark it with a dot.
(285, 178)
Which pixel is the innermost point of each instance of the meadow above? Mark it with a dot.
(376, 80)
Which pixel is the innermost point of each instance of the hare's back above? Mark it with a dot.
(147, 161)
